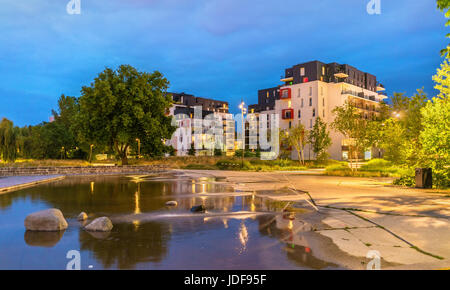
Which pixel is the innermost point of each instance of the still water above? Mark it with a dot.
(238, 230)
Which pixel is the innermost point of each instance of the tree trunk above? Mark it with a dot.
(125, 159)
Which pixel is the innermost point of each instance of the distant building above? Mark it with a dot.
(184, 104)
(313, 89)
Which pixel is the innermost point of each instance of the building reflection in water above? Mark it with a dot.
(137, 197)
(243, 237)
(92, 187)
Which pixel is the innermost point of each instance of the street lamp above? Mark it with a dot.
(139, 147)
(90, 154)
(243, 111)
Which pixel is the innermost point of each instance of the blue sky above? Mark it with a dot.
(224, 49)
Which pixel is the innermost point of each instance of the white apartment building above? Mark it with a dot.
(313, 90)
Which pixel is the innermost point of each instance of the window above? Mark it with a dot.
(323, 113)
(314, 113)
(299, 92)
(321, 91)
(323, 102)
(301, 104)
(290, 124)
(323, 70)
(310, 123)
(310, 91)
(310, 102)
(299, 114)
(302, 71)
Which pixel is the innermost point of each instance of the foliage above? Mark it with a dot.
(122, 105)
(435, 139)
(8, 140)
(226, 164)
(320, 140)
(296, 137)
(349, 122)
(444, 5)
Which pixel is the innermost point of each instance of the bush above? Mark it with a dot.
(405, 181)
(377, 165)
(232, 164)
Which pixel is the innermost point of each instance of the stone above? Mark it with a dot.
(198, 208)
(46, 220)
(101, 224)
(82, 216)
(172, 203)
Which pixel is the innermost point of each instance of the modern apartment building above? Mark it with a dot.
(314, 89)
(184, 110)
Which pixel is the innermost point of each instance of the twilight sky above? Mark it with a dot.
(223, 49)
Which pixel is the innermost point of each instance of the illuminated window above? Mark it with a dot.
(302, 71)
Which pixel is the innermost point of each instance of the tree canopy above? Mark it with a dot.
(123, 105)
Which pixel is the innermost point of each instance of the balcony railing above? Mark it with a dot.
(359, 95)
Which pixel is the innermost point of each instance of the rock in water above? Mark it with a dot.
(172, 203)
(82, 216)
(48, 220)
(198, 208)
(101, 224)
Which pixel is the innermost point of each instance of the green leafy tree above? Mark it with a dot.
(444, 5)
(122, 105)
(296, 137)
(349, 122)
(320, 140)
(8, 140)
(392, 141)
(435, 139)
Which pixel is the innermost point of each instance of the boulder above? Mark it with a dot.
(198, 208)
(48, 220)
(172, 203)
(82, 216)
(101, 224)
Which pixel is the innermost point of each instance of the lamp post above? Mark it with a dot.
(90, 153)
(139, 147)
(243, 111)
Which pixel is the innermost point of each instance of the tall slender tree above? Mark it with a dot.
(8, 140)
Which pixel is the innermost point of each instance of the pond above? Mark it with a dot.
(238, 231)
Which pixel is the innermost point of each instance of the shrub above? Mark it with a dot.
(232, 164)
(406, 180)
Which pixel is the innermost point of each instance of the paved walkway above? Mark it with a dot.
(409, 227)
(11, 183)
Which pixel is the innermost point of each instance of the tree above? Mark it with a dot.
(8, 140)
(349, 122)
(296, 137)
(122, 105)
(435, 139)
(320, 140)
(444, 5)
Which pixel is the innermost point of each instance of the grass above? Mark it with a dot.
(373, 168)
(45, 163)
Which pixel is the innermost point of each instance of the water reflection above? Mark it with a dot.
(235, 233)
(42, 239)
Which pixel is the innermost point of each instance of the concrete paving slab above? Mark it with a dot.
(12, 183)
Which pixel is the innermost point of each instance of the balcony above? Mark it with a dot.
(380, 87)
(285, 94)
(289, 79)
(360, 95)
(287, 114)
